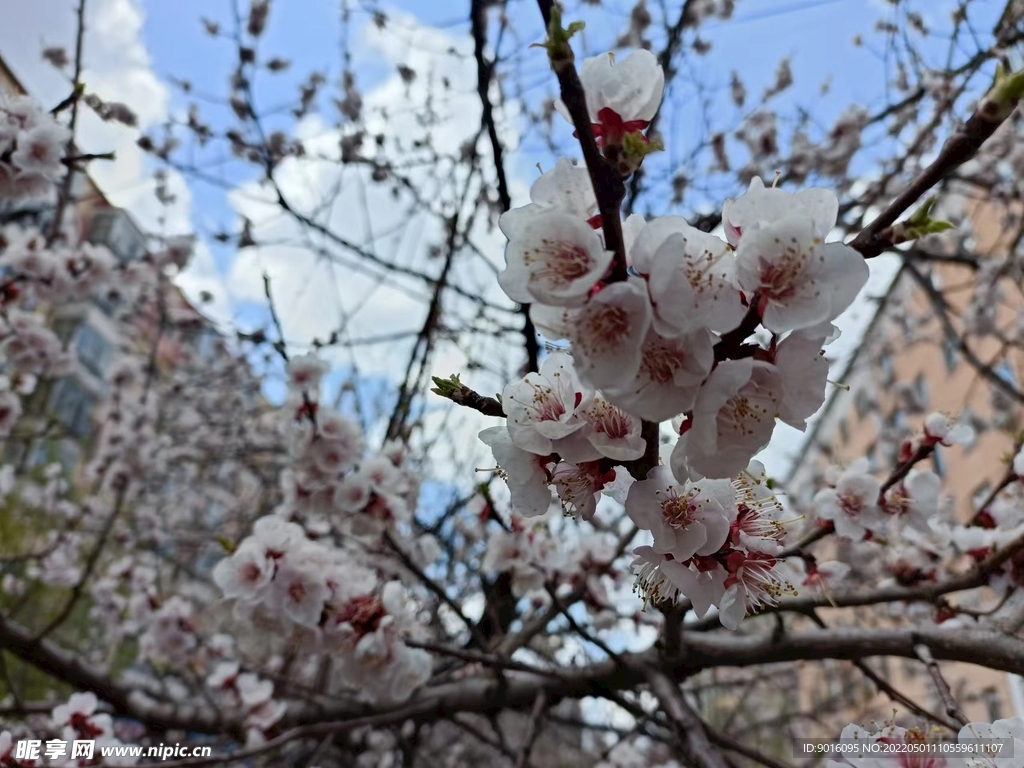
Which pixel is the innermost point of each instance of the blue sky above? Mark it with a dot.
(170, 42)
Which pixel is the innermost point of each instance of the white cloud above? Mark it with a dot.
(321, 286)
(116, 67)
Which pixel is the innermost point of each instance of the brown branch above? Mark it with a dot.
(608, 183)
(884, 686)
(454, 390)
(484, 76)
(957, 150)
(687, 723)
(69, 178)
(732, 745)
(90, 565)
(532, 730)
(923, 452)
(436, 589)
(952, 708)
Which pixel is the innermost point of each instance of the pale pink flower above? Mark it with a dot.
(579, 487)
(852, 505)
(608, 335)
(755, 580)
(803, 374)
(305, 373)
(1010, 729)
(263, 716)
(525, 473)
(632, 88)
(552, 258)
(762, 205)
(662, 577)
(733, 418)
(916, 499)
(252, 690)
(612, 431)
(40, 149)
(801, 281)
(338, 428)
(756, 514)
(566, 188)
(942, 428)
(684, 518)
(246, 574)
(298, 591)
(671, 372)
(542, 406)
(692, 284)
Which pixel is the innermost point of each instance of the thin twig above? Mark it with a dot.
(532, 729)
(952, 708)
(689, 727)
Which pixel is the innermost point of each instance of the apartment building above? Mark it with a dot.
(62, 412)
(907, 367)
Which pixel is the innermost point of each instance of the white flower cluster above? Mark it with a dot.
(32, 145)
(718, 542)
(853, 501)
(78, 719)
(330, 472)
(280, 572)
(670, 339)
(28, 346)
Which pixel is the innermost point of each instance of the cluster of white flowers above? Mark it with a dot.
(670, 341)
(32, 145)
(329, 470)
(718, 542)
(248, 693)
(28, 346)
(279, 572)
(53, 272)
(535, 557)
(294, 571)
(78, 719)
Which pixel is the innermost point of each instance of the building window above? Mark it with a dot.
(871, 454)
(72, 406)
(993, 705)
(885, 363)
(921, 390)
(863, 403)
(1005, 372)
(115, 229)
(979, 495)
(204, 344)
(949, 352)
(93, 349)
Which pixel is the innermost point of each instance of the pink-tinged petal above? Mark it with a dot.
(760, 204)
(670, 375)
(609, 333)
(554, 258)
(692, 285)
(632, 88)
